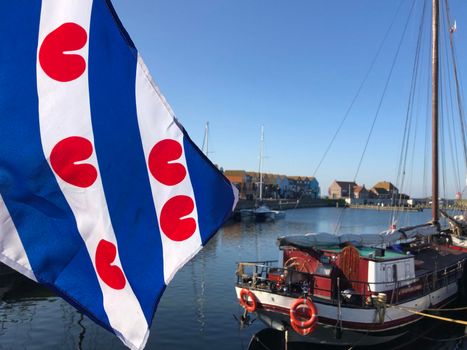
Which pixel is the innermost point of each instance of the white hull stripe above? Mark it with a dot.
(358, 315)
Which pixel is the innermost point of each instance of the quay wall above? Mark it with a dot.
(284, 204)
(387, 207)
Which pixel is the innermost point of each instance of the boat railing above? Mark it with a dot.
(334, 288)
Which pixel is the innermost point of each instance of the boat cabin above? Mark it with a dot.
(358, 268)
(337, 269)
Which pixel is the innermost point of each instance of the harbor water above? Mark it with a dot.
(199, 309)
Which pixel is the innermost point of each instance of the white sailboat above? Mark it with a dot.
(262, 212)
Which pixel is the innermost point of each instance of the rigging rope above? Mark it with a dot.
(340, 219)
(458, 91)
(442, 132)
(427, 141)
(384, 91)
(449, 107)
(367, 74)
(408, 117)
(421, 336)
(452, 320)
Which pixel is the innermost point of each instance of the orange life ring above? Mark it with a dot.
(302, 331)
(248, 300)
(310, 309)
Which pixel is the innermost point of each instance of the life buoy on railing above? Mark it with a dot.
(304, 323)
(248, 300)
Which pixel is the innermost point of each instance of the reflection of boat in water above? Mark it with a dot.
(359, 289)
(429, 336)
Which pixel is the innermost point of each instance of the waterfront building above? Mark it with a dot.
(361, 193)
(274, 185)
(313, 185)
(284, 186)
(243, 181)
(385, 189)
(305, 186)
(341, 189)
(384, 193)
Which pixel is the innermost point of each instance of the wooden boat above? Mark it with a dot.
(343, 289)
(359, 289)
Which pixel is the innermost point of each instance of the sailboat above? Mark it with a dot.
(368, 289)
(205, 146)
(262, 212)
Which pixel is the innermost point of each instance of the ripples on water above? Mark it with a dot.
(197, 308)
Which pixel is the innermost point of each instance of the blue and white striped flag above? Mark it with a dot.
(103, 196)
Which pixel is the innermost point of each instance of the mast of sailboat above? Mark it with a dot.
(205, 147)
(261, 164)
(434, 110)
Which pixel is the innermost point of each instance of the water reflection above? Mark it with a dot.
(435, 336)
(195, 312)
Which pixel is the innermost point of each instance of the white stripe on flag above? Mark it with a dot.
(12, 251)
(156, 123)
(64, 109)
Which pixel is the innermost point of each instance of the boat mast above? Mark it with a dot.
(206, 140)
(261, 164)
(434, 111)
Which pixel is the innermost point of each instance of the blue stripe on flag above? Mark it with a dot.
(112, 74)
(213, 192)
(44, 221)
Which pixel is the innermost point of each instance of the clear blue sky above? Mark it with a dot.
(294, 67)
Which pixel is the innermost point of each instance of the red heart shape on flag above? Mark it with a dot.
(172, 224)
(54, 58)
(111, 275)
(161, 162)
(64, 156)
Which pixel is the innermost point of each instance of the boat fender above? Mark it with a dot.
(248, 300)
(309, 307)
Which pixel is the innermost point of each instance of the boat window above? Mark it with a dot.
(324, 269)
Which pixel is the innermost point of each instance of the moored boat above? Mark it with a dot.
(361, 289)
(340, 291)
(262, 213)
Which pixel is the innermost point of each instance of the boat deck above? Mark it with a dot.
(437, 258)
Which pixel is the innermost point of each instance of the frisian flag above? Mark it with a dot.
(103, 196)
